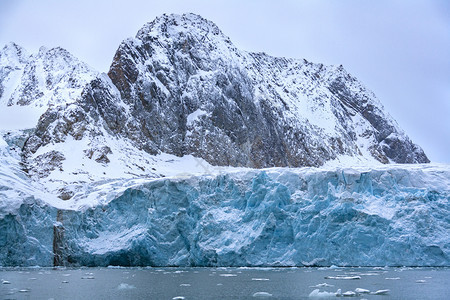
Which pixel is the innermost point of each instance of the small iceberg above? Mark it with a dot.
(362, 291)
(349, 294)
(343, 277)
(125, 286)
(322, 285)
(380, 292)
(260, 279)
(318, 294)
(421, 281)
(262, 294)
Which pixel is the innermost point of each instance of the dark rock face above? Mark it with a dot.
(193, 92)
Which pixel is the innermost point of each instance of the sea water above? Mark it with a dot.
(223, 283)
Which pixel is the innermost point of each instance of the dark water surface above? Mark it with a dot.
(221, 283)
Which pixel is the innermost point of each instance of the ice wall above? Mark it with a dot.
(390, 215)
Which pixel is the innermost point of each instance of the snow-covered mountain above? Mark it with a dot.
(79, 148)
(182, 88)
(193, 92)
(50, 77)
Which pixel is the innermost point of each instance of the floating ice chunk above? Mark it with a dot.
(380, 292)
(64, 281)
(318, 294)
(392, 278)
(5, 282)
(125, 286)
(262, 294)
(220, 284)
(322, 285)
(334, 267)
(24, 291)
(260, 279)
(349, 294)
(343, 277)
(32, 278)
(87, 277)
(421, 281)
(361, 291)
(228, 275)
(178, 298)
(185, 284)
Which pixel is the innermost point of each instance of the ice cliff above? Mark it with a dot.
(395, 216)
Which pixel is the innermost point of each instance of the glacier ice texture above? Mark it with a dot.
(396, 215)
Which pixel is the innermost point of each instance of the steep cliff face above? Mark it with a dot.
(193, 92)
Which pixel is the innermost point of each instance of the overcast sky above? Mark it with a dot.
(398, 49)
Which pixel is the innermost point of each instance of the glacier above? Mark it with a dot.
(385, 215)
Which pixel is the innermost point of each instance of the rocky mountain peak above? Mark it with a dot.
(174, 25)
(13, 55)
(48, 77)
